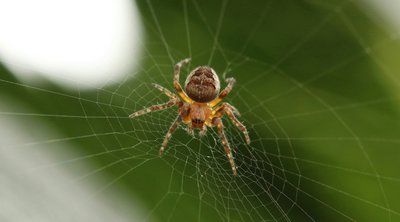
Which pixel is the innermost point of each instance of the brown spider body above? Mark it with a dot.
(198, 105)
(202, 84)
(199, 114)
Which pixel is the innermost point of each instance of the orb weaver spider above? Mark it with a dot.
(198, 105)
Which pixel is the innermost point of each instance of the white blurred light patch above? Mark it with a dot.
(71, 42)
(36, 185)
(385, 12)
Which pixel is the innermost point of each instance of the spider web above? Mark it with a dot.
(315, 89)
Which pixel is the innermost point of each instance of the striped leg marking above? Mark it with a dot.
(177, 86)
(154, 108)
(238, 124)
(231, 82)
(165, 91)
(169, 133)
(225, 143)
(189, 129)
(203, 131)
(230, 112)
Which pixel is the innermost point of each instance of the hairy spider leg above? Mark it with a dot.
(165, 91)
(217, 122)
(231, 82)
(155, 108)
(234, 110)
(177, 86)
(203, 131)
(171, 130)
(189, 129)
(227, 108)
(184, 112)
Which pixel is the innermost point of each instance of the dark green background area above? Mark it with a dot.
(317, 86)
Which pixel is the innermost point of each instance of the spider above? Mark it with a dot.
(199, 105)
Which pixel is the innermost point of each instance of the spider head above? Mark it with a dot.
(202, 84)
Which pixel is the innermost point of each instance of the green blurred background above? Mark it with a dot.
(317, 86)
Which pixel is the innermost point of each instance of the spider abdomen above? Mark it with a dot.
(202, 85)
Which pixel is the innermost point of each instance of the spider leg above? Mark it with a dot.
(171, 130)
(230, 112)
(177, 86)
(203, 131)
(217, 122)
(165, 91)
(155, 108)
(184, 111)
(189, 129)
(232, 108)
(231, 82)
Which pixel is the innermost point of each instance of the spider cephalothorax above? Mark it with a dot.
(199, 105)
